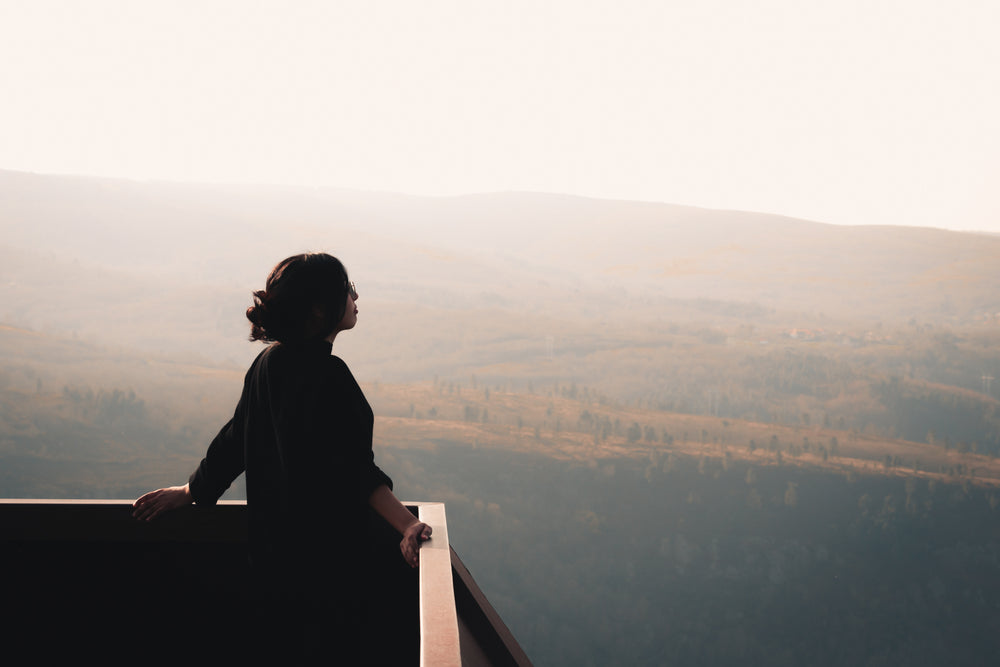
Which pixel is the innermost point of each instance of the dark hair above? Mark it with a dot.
(304, 299)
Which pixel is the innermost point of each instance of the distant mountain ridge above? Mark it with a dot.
(148, 246)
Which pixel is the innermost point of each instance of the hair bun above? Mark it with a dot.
(258, 316)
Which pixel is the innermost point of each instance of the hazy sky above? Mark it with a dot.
(843, 111)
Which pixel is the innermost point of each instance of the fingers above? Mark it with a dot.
(146, 508)
(148, 513)
(410, 545)
(410, 554)
(154, 503)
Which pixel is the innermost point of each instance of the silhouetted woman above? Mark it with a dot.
(302, 433)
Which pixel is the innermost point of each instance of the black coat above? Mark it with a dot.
(302, 432)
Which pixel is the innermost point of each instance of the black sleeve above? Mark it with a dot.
(373, 476)
(367, 475)
(222, 464)
(370, 476)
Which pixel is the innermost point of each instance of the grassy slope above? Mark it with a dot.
(550, 425)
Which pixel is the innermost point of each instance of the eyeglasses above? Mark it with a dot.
(352, 291)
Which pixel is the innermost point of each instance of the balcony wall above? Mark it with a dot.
(83, 579)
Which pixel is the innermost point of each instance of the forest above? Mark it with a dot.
(611, 530)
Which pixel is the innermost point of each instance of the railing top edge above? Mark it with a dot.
(439, 635)
(87, 501)
(129, 501)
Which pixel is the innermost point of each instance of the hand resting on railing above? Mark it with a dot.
(154, 503)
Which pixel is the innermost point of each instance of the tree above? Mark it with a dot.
(634, 433)
(792, 495)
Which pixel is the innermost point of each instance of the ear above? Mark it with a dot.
(318, 321)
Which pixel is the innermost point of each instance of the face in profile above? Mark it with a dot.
(350, 311)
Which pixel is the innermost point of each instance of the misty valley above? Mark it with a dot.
(609, 531)
(663, 435)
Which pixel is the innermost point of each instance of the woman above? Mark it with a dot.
(302, 433)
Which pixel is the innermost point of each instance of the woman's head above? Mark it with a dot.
(304, 299)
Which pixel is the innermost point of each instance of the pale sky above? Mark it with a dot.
(842, 111)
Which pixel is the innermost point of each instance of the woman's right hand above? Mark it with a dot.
(410, 545)
(154, 503)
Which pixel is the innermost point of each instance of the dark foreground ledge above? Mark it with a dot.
(83, 579)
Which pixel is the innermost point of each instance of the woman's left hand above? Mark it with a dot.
(410, 545)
